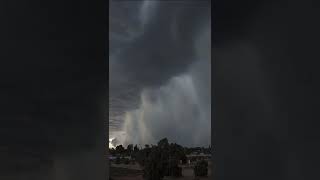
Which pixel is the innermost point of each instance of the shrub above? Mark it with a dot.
(154, 165)
(201, 168)
(173, 169)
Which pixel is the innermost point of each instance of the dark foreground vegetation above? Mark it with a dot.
(160, 160)
(201, 168)
(124, 171)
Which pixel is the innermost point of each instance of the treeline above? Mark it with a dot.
(130, 149)
(120, 150)
(162, 159)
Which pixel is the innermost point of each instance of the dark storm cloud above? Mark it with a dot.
(180, 109)
(123, 23)
(163, 49)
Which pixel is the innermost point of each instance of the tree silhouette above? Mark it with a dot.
(163, 143)
(130, 149)
(120, 149)
(201, 168)
(135, 149)
(161, 160)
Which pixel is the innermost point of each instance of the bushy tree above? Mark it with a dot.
(153, 159)
(135, 149)
(163, 159)
(130, 149)
(201, 168)
(154, 165)
(172, 168)
(120, 149)
(142, 156)
(163, 143)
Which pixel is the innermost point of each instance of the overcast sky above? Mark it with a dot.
(160, 72)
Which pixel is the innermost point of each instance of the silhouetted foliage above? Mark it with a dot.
(120, 149)
(130, 149)
(201, 168)
(172, 168)
(153, 165)
(162, 159)
(135, 149)
(163, 143)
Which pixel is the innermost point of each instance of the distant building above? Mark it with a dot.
(194, 157)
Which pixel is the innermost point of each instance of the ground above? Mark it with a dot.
(134, 172)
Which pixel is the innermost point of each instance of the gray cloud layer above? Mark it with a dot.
(161, 79)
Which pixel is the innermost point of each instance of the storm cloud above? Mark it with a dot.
(163, 66)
